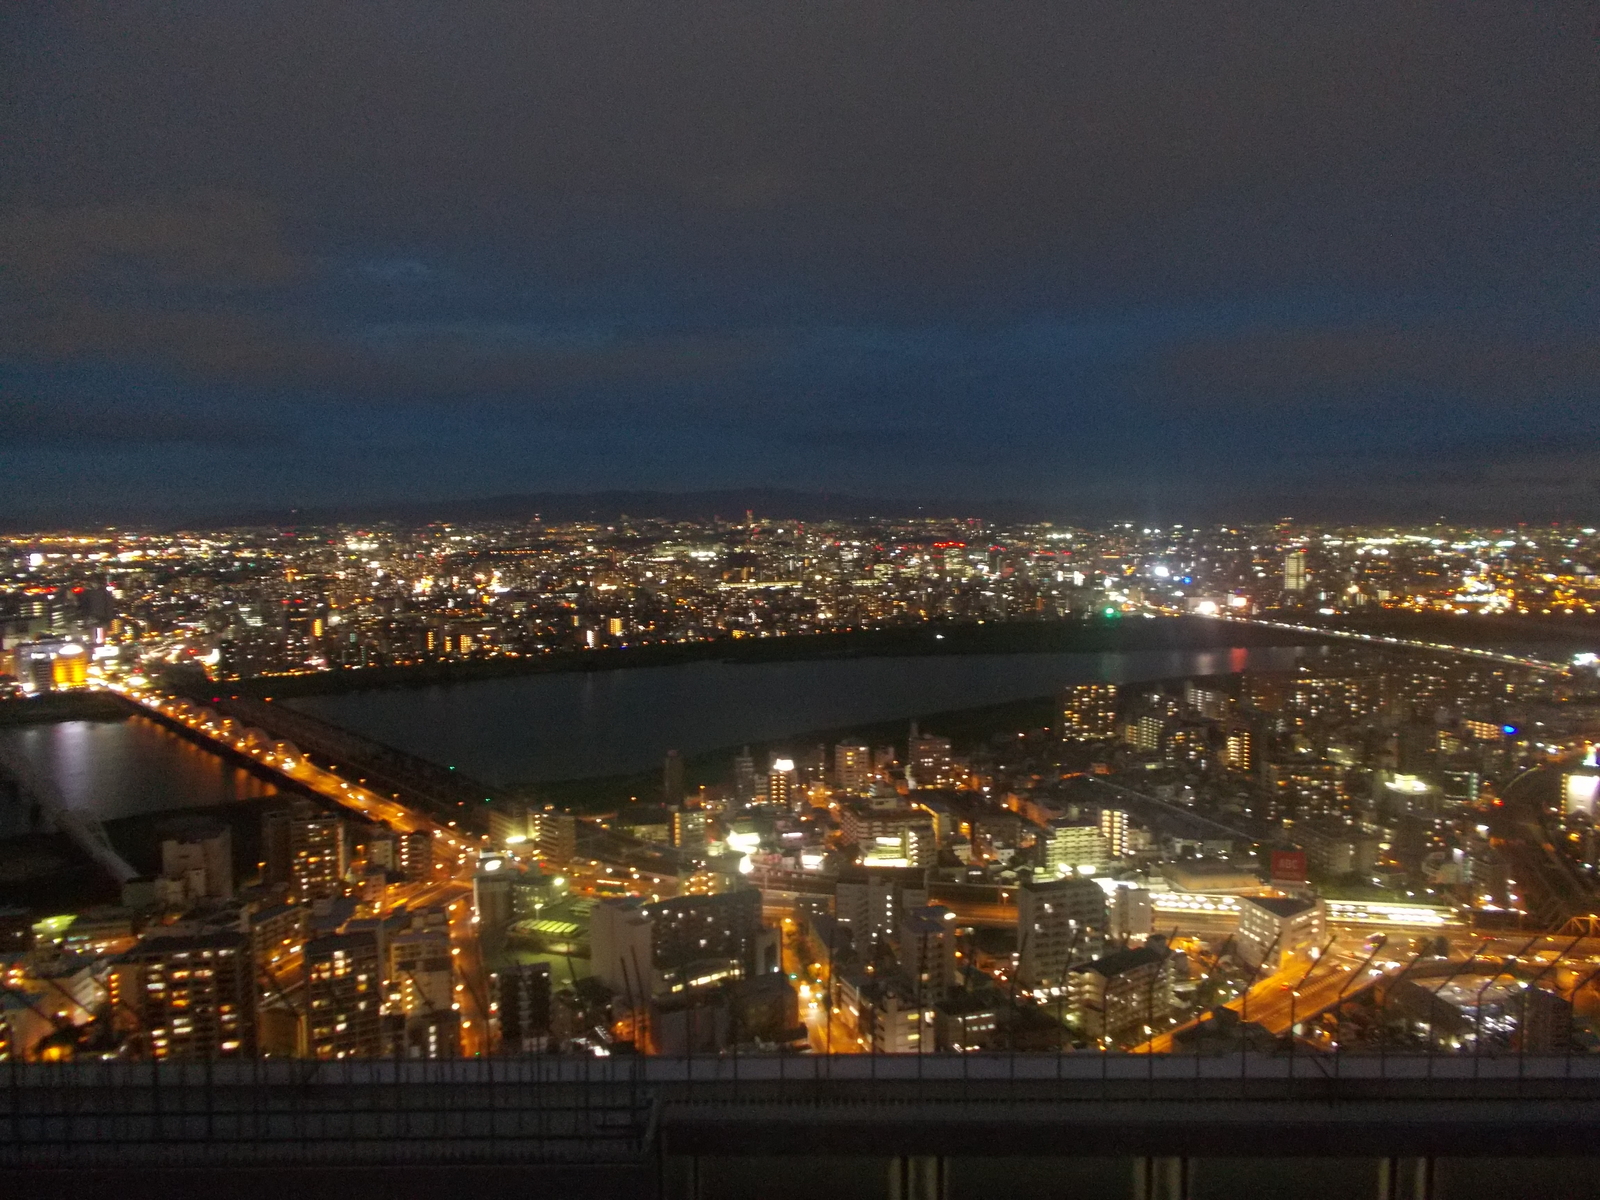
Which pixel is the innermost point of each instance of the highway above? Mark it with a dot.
(1302, 989)
(1402, 643)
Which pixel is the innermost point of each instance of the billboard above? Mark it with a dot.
(1288, 866)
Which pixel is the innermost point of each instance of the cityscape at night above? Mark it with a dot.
(727, 601)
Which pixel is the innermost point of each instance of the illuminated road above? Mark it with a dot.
(452, 888)
(1295, 994)
(1402, 643)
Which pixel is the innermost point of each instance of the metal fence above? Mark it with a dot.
(572, 1109)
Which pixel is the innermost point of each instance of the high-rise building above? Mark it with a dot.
(689, 829)
(414, 854)
(1089, 712)
(344, 996)
(869, 900)
(782, 788)
(493, 885)
(1274, 929)
(1207, 699)
(1073, 847)
(508, 824)
(1114, 826)
(929, 762)
(621, 947)
(1236, 746)
(319, 852)
(1124, 996)
(926, 946)
(1130, 912)
(277, 859)
(194, 995)
(852, 767)
(672, 779)
(520, 1002)
(421, 974)
(744, 777)
(1145, 731)
(1294, 571)
(1059, 922)
(554, 834)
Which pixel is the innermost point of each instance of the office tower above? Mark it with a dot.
(927, 951)
(1059, 922)
(744, 777)
(1294, 571)
(193, 995)
(200, 857)
(672, 785)
(1089, 712)
(319, 852)
(344, 995)
(782, 789)
(555, 834)
(1114, 827)
(1272, 930)
(520, 1000)
(852, 767)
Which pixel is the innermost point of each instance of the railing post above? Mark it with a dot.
(1406, 1179)
(1161, 1178)
(917, 1177)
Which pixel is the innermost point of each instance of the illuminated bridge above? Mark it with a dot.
(891, 1127)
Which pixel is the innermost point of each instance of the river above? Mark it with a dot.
(127, 768)
(540, 728)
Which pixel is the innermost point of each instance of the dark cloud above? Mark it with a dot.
(1485, 365)
(1104, 254)
(210, 238)
(91, 425)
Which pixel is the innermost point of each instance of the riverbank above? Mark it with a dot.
(967, 728)
(63, 706)
(1098, 635)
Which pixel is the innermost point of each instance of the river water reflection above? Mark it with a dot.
(126, 768)
(537, 728)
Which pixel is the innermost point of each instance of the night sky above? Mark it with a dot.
(1165, 260)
